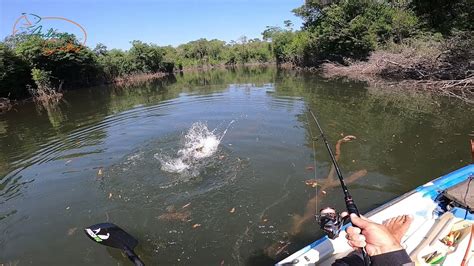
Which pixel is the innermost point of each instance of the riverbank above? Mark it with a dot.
(373, 71)
(7, 104)
(409, 70)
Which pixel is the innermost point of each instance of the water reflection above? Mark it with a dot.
(92, 158)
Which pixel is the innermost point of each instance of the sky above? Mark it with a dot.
(163, 22)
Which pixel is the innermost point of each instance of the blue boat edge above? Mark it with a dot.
(430, 189)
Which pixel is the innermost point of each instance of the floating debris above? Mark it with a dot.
(282, 248)
(232, 210)
(110, 195)
(311, 183)
(71, 231)
(309, 168)
(196, 226)
(100, 172)
(186, 205)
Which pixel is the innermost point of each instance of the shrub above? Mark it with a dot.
(353, 28)
(44, 91)
(14, 74)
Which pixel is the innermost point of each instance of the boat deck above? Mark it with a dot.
(463, 193)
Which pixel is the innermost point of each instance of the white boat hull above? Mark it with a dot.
(420, 203)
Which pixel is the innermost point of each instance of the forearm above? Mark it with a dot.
(399, 257)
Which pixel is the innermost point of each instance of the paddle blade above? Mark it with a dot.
(111, 235)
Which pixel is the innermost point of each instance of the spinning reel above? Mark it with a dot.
(331, 222)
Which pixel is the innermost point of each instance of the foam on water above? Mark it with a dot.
(198, 144)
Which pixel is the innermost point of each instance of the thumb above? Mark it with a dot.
(359, 222)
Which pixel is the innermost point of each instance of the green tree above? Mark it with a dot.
(445, 15)
(68, 61)
(14, 74)
(146, 58)
(100, 49)
(352, 28)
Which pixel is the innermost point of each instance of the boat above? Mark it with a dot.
(441, 232)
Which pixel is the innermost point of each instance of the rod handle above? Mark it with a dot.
(352, 208)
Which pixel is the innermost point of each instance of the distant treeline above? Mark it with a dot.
(332, 31)
(31, 61)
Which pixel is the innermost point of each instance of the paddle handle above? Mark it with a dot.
(133, 257)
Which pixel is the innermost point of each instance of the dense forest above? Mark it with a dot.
(432, 39)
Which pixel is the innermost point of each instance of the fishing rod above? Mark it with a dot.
(350, 204)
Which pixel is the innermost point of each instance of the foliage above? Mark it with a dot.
(41, 78)
(333, 30)
(204, 52)
(14, 74)
(340, 29)
(445, 15)
(352, 28)
(145, 58)
(64, 57)
(44, 92)
(66, 61)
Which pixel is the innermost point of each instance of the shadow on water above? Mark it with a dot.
(99, 156)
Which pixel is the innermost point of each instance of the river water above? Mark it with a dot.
(209, 168)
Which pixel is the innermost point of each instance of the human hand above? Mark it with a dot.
(373, 236)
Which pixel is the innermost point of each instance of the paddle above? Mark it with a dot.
(109, 234)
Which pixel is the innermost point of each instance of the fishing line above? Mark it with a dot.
(467, 193)
(313, 140)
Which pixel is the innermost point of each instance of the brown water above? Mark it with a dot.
(99, 157)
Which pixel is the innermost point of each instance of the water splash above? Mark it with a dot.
(199, 143)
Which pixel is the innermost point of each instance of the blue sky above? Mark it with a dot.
(164, 22)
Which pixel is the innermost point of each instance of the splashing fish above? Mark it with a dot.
(199, 143)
